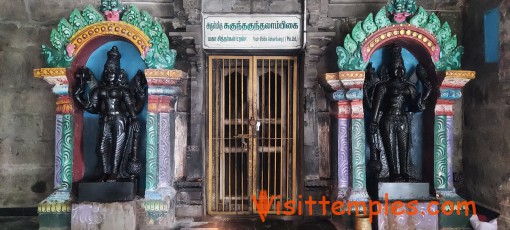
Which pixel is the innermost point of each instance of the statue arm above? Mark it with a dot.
(92, 105)
(380, 92)
(130, 103)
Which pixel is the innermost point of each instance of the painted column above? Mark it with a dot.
(343, 116)
(450, 91)
(164, 89)
(353, 82)
(58, 204)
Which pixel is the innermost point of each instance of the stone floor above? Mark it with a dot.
(21, 223)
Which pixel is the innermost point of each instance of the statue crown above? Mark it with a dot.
(114, 57)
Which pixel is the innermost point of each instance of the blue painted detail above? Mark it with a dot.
(131, 62)
(354, 94)
(451, 94)
(339, 95)
(61, 89)
(491, 34)
(164, 90)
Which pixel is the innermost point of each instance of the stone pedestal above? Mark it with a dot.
(91, 216)
(423, 220)
(403, 191)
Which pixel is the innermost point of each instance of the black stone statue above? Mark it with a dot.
(117, 104)
(392, 99)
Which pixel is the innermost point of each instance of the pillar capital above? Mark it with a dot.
(444, 107)
(56, 77)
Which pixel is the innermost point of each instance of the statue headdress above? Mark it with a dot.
(113, 58)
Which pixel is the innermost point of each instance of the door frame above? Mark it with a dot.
(297, 175)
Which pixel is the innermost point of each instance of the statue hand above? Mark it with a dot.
(373, 127)
(135, 124)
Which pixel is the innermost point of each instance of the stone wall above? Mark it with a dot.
(27, 105)
(486, 145)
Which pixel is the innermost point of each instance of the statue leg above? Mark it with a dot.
(390, 146)
(119, 141)
(105, 141)
(403, 147)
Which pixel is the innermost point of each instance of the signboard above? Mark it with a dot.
(252, 31)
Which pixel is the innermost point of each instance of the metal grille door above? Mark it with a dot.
(252, 108)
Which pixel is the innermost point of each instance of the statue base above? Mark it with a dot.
(404, 191)
(106, 191)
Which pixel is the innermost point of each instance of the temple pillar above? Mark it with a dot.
(450, 91)
(344, 115)
(55, 211)
(164, 89)
(353, 82)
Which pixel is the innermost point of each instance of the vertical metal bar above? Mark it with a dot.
(268, 133)
(211, 139)
(230, 134)
(242, 131)
(235, 140)
(282, 93)
(289, 82)
(275, 125)
(253, 113)
(222, 127)
(294, 144)
(262, 115)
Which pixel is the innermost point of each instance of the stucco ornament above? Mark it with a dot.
(61, 53)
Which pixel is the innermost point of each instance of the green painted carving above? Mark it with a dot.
(402, 6)
(433, 24)
(158, 56)
(152, 152)
(440, 154)
(110, 5)
(65, 29)
(56, 58)
(420, 18)
(91, 15)
(381, 18)
(131, 15)
(67, 152)
(444, 33)
(77, 20)
(369, 25)
(358, 154)
(358, 34)
(349, 55)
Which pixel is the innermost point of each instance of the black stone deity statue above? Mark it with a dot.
(392, 100)
(117, 104)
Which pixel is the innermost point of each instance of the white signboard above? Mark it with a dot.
(252, 31)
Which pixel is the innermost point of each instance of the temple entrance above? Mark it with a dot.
(252, 131)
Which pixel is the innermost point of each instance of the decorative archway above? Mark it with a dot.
(72, 43)
(401, 21)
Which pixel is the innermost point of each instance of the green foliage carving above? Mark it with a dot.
(420, 18)
(110, 5)
(159, 56)
(349, 55)
(402, 6)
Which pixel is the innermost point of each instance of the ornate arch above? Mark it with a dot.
(82, 27)
(394, 22)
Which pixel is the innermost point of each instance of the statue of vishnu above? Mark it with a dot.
(392, 100)
(117, 104)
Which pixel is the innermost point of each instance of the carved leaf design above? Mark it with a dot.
(91, 15)
(131, 16)
(146, 22)
(65, 29)
(449, 45)
(76, 20)
(444, 33)
(381, 19)
(57, 40)
(349, 44)
(420, 18)
(343, 57)
(368, 25)
(433, 24)
(358, 34)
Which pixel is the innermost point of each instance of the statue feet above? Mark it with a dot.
(403, 177)
(375, 166)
